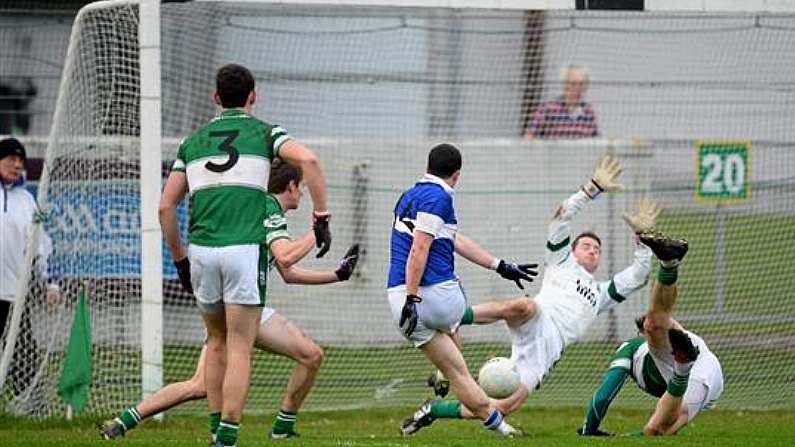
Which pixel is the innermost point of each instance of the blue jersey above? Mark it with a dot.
(427, 207)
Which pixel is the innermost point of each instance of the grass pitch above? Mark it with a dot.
(545, 426)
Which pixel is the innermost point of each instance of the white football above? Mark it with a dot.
(498, 377)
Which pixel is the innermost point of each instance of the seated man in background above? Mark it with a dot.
(568, 115)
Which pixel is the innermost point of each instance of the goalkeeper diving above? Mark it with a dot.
(570, 299)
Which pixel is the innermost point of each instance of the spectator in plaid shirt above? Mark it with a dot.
(566, 116)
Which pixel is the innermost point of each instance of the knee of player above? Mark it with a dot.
(196, 388)
(520, 308)
(313, 358)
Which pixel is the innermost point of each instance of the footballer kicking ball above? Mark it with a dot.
(498, 377)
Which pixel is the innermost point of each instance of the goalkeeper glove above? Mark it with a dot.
(645, 218)
(320, 225)
(604, 178)
(408, 316)
(514, 272)
(348, 263)
(183, 271)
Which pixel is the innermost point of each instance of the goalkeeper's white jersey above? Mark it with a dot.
(570, 295)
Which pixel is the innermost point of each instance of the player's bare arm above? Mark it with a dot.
(299, 155)
(288, 252)
(299, 275)
(173, 192)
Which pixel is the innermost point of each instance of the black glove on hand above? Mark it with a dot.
(320, 225)
(408, 318)
(514, 272)
(183, 271)
(348, 263)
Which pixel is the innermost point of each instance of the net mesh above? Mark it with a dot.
(370, 90)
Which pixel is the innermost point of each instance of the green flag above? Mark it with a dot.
(78, 365)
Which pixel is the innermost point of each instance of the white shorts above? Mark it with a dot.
(441, 309)
(234, 274)
(267, 313)
(536, 347)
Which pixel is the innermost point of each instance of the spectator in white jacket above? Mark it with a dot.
(17, 212)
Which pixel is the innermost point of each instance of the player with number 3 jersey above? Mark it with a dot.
(224, 168)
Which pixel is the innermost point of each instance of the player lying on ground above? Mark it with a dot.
(424, 292)
(665, 361)
(275, 333)
(568, 303)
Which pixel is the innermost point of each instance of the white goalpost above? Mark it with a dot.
(370, 86)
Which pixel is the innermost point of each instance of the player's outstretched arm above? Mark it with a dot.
(299, 155)
(603, 179)
(298, 275)
(636, 275)
(289, 252)
(476, 254)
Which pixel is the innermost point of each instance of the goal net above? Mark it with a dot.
(698, 106)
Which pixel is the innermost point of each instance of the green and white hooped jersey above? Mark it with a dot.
(653, 373)
(275, 225)
(633, 355)
(227, 163)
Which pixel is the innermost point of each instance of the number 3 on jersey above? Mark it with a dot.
(225, 146)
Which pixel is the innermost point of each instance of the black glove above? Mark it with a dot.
(598, 432)
(515, 272)
(408, 318)
(320, 224)
(348, 263)
(183, 271)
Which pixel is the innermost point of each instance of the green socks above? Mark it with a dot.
(129, 418)
(284, 422)
(469, 316)
(215, 419)
(446, 409)
(667, 275)
(678, 385)
(227, 433)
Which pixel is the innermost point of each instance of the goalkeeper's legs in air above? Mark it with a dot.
(443, 352)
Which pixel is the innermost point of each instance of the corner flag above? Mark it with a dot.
(78, 365)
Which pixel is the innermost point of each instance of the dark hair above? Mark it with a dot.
(588, 234)
(12, 146)
(444, 160)
(639, 322)
(234, 83)
(281, 175)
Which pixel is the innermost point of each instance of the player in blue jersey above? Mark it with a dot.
(425, 294)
